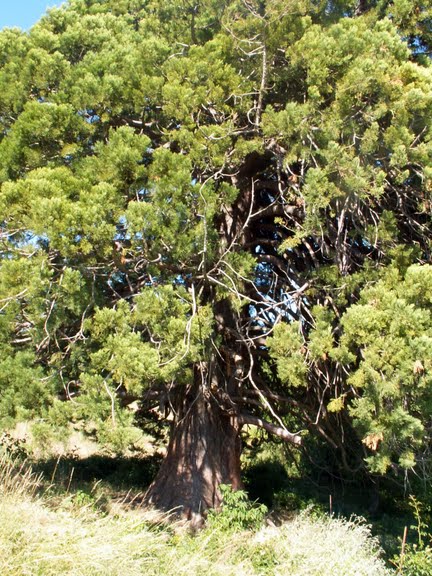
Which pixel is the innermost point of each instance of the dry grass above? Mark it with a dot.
(39, 540)
(17, 480)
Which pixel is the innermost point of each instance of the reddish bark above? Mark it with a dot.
(203, 452)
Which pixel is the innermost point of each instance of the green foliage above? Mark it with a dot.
(391, 326)
(416, 559)
(384, 343)
(286, 346)
(417, 562)
(24, 393)
(237, 512)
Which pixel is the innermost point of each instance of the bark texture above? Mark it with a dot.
(203, 452)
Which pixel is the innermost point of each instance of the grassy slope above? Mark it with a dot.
(43, 536)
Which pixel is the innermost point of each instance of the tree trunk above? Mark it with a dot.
(203, 452)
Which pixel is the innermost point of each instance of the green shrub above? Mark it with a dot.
(237, 512)
(416, 559)
(417, 562)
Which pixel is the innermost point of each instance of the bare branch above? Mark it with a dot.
(249, 420)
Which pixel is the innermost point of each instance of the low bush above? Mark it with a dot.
(237, 512)
(416, 562)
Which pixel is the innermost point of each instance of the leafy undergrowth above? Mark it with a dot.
(42, 536)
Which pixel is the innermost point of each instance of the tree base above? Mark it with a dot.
(203, 452)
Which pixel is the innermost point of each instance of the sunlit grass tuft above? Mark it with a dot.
(17, 478)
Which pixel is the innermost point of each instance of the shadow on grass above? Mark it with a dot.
(126, 479)
(118, 473)
(387, 512)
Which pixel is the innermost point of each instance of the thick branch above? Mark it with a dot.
(271, 428)
(277, 209)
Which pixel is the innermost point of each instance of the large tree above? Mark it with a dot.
(221, 210)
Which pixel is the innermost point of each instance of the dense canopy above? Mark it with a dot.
(220, 210)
